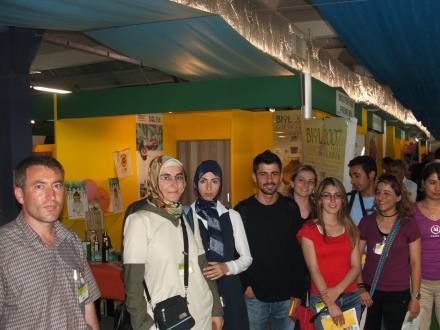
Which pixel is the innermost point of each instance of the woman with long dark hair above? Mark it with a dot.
(225, 243)
(427, 214)
(398, 287)
(331, 250)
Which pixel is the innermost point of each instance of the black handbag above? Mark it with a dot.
(173, 313)
(122, 318)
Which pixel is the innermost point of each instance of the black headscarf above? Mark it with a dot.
(208, 210)
(205, 167)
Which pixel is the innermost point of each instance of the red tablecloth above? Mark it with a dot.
(108, 278)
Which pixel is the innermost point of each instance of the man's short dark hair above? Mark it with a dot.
(34, 160)
(266, 157)
(387, 161)
(368, 163)
(398, 163)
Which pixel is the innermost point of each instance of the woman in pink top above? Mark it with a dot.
(427, 213)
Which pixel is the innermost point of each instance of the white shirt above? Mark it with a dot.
(239, 265)
(411, 187)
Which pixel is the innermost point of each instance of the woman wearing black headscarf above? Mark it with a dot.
(223, 237)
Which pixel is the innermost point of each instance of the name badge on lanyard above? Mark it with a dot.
(81, 287)
(378, 248)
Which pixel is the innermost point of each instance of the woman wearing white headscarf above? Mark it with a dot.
(153, 251)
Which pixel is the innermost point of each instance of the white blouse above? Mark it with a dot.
(239, 265)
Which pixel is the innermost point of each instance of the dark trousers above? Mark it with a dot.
(389, 306)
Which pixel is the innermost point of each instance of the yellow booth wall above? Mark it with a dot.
(85, 148)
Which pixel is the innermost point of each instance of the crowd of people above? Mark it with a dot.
(241, 268)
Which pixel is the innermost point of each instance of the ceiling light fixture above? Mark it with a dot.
(50, 90)
(272, 109)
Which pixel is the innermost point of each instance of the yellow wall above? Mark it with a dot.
(85, 147)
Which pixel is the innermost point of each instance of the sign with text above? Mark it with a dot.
(286, 128)
(329, 146)
(344, 105)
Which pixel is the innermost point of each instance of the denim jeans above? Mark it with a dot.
(276, 313)
(345, 301)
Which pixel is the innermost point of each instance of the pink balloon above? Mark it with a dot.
(103, 198)
(91, 189)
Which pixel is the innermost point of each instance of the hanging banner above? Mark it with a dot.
(115, 195)
(328, 145)
(372, 144)
(149, 144)
(286, 128)
(76, 196)
(122, 161)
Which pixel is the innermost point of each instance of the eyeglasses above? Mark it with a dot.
(168, 178)
(329, 196)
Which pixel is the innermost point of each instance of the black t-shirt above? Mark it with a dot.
(278, 270)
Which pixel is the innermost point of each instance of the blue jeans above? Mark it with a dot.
(345, 301)
(276, 313)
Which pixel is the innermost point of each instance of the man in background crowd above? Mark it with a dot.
(398, 169)
(363, 171)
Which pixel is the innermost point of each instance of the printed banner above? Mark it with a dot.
(149, 144)
(122, 163)
(115, 195)
(77, 204)
(329, 146)
(286, 128)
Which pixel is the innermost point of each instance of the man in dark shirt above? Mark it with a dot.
(278, 271)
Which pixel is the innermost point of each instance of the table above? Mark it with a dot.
(109, 280)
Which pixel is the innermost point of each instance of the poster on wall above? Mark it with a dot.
(372, 144)
(122, 161)
(77, 204)
(328, 146)
(115, 195)
(359, 147)
(149, 144)
(286, 130)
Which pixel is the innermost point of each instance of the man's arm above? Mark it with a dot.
(91, 318)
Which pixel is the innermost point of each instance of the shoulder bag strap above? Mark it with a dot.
(361, 201)
(185, 262)
(185, 255)
(384, 255)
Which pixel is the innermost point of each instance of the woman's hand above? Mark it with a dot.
(215, 270)
(365, 298)
(336, 314)
(330, 295)
(413, 309)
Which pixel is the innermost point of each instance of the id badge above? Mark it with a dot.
(319, 306)
(182, 268)
(83, 293)
(82, 288)
(378, 248)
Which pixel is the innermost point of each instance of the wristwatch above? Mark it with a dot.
(416, 296)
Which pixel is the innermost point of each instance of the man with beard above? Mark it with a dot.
(45, 281)
(278, 271)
